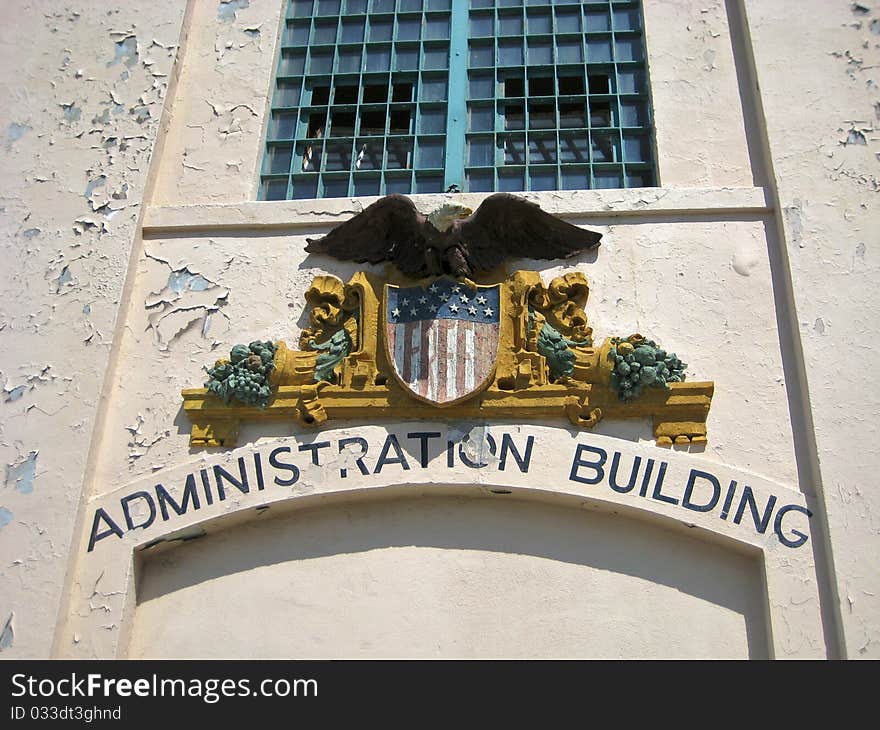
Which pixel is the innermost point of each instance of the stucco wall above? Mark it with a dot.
(819, 83)
(84, 85)
(450, 577)
(753, 262)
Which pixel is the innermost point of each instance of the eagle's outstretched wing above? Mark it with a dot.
(391, 229)
(507, 226)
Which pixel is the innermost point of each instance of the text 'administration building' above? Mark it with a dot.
(425, 457)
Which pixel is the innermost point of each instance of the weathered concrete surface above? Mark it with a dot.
(214, 149)
(818, 68)
(83, 85)
(698, 112)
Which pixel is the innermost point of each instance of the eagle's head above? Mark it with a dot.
(443, 217)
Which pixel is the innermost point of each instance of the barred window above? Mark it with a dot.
(415, 96)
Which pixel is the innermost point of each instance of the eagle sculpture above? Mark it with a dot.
(453, 239)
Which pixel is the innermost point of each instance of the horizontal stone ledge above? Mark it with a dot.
(288, 215)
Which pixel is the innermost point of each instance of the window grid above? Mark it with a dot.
(556, 98)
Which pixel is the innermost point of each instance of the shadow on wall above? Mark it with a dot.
(450, 577)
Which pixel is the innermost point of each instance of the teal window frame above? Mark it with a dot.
(420, 96)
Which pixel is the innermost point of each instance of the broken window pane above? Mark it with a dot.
(309, 156)
(571, 85)
(541, 86)
(542, 150)
(375, 94)
(401, 92)
(574, 148)
(514, 116)
(337, 155)
(600, 114)
(572, 116)
(400, 121)
(342, 124)
(542, 116)
(316, 126)
(320, 95)
(599, 84)
(606, 147)
(369, 155)
(514, 86)
(400, 154)
(514, 148)
(345, 95)
(373, 122)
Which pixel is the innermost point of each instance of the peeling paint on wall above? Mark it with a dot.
(15, 132)
(187, 299)
(5, 516)
(21, 474)
(226, 9)
(126, 50)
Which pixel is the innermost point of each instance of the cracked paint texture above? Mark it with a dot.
(224, 84)
(75, 151)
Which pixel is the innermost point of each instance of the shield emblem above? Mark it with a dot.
(442, 338)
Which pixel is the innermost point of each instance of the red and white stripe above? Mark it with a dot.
(442, 360)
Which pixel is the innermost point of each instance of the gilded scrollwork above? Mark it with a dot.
(546, 364)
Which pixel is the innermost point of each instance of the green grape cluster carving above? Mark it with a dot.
(245, 376)
(641, 363)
